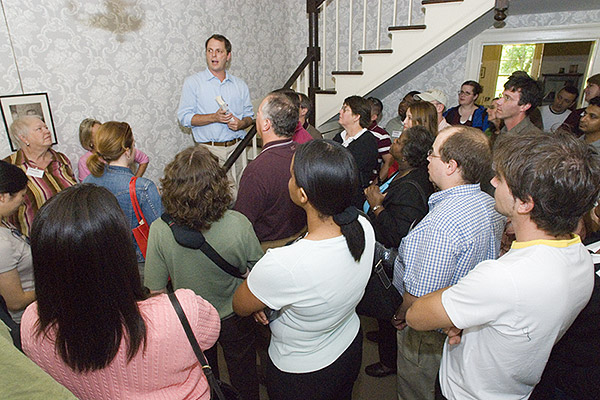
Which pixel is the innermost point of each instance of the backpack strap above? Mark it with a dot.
(13, 327)
(193, 239)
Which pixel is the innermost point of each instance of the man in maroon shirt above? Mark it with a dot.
(592, 90)
(384, 141)
(263, 195)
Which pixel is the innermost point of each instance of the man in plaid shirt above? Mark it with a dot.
(461, 230)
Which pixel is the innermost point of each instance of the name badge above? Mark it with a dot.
(35, 172)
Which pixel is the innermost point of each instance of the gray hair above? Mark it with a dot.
(20, 127)
(282, 113)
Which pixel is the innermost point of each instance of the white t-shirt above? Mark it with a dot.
(316, 286)
(513, 310)
(551, 120)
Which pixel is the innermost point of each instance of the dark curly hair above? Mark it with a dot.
(418, 142)
(195, 189)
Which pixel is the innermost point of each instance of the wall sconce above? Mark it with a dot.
(500, 13)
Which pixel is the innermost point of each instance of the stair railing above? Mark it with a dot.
(305, 78)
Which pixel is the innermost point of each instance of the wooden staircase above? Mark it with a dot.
(443, 19)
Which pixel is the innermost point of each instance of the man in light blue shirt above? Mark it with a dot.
(220, 128)
(461, 230)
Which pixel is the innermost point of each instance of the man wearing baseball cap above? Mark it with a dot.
(439, 100)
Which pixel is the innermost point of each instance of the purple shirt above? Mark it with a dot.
(263, 195)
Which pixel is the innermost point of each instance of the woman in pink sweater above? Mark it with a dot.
(94, 328)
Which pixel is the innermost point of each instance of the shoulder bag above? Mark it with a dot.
(193, 239)
(381, 299)
(218, 390)
(142, 230)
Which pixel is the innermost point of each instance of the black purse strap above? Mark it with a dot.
(193, 239)
(210, 377)
(13, 327)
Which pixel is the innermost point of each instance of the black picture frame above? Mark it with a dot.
(20, 105)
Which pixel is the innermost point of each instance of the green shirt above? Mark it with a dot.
(21, 378)
(232, 237)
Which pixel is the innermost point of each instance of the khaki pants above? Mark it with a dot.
(419, 357)
(235, 172)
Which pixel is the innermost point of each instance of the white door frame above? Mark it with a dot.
(550, 34)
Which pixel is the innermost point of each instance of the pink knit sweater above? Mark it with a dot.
(167, 369)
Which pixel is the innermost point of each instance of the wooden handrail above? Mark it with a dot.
(313, 55)
(240, 148)
(296, 74)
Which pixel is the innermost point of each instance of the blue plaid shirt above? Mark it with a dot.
(461, 230)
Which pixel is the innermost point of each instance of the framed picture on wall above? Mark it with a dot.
(21, 105)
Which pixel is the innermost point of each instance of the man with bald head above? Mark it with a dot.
(461, 229)
(263, 195)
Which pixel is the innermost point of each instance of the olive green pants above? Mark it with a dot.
(419, 356)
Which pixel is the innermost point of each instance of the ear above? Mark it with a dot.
(525, 107)
(128, 152)
(229, 57)
(451, 167)
(440, 107)
(23, 139)
(525, 207)
(266, 126)
(303, 111)
(4, 197)
(302, 196)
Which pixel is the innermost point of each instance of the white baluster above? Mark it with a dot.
(337, 35)
(350, 35)
(324, 51)
(378, 22)
(364, 44)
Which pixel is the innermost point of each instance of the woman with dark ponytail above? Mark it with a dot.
(312, 287)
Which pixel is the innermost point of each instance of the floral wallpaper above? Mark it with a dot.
(126, 60)
(449, 72)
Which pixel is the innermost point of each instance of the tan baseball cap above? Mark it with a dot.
(433, 94)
